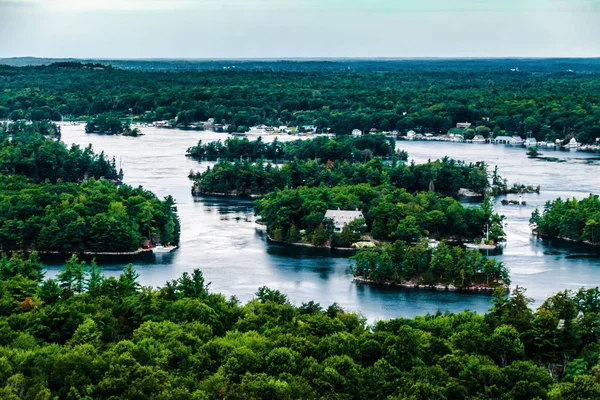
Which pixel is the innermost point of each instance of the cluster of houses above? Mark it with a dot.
(450, 136)
(211, 125)
(503, 139)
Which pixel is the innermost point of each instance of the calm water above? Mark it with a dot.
(220, 236)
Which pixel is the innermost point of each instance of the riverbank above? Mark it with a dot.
(414, 284)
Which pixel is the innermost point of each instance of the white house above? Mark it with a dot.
(342, 218)
(463, 125)
(356, 132)
(531, 142)
(410, 135)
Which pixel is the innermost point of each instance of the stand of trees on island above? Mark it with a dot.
(297, 215)
(570, 219)
(399, 263)
(425, 98)
(244, 178)
(110, 124)
(87, 336)
(54, 198)
(341, 148)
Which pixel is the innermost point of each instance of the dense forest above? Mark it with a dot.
(400, 263)
(54, 198)
(570, 219)
(294, 215)
(33, 150)
(325, 149)
(245, 178)
(422, 97)
(86, 336)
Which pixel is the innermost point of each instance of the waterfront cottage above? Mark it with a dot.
(342, 218)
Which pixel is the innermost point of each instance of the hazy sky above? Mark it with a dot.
(299, 28)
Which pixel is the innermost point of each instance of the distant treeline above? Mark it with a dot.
(425, 96)
(548, 65)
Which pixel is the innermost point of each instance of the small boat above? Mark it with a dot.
(163, 249)
(482, 245)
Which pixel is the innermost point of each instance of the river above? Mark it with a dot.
(220, 236)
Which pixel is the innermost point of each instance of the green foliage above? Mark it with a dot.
(401, 263)
(342, 148)
(571, 219)
(50, 200)
(106, 123)
(258, 178)
(33, 152)
(70, 217)
(182, 342)
(390, 214)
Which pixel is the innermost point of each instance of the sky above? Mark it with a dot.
(299, 28)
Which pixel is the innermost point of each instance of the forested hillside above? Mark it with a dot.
(85, 336)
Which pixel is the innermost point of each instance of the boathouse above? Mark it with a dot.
(501, 140)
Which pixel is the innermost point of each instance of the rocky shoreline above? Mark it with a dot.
(349, 249)
(566, 239)
(413, 284)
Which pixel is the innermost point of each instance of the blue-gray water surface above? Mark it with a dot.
(220, 236)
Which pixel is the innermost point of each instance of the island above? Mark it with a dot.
(55, 199)
(570, 220)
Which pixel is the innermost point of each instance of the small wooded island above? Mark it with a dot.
(110, 124)
(69, 200)
(570, 219)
